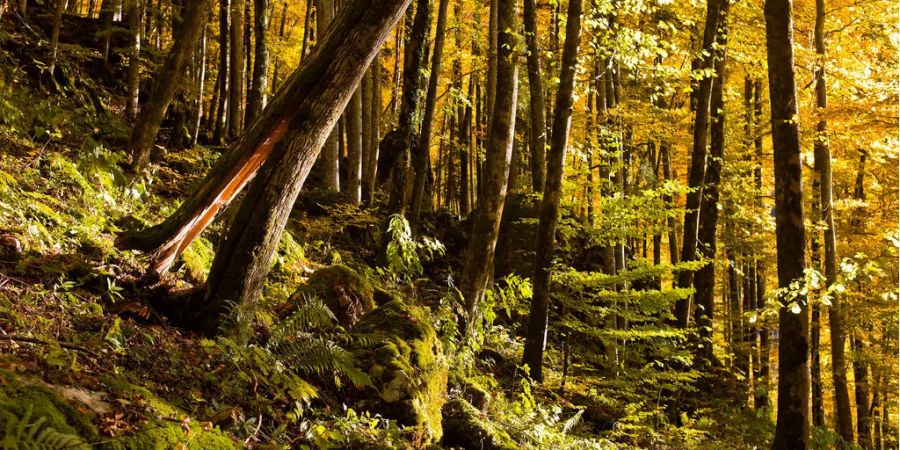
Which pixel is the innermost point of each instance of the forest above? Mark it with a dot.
(423, 224)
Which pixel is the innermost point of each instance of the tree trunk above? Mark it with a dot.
(54, 35)
(697, 172)
(396, 146)
(330, 157)
(236, 69)
(371, 169)
(353, 116)
(792, 426)
(311, 102)
(538, 317)
(823, 173)
(167, 84)
(815, 371)
(107, 14)
(134, 13)
(221, 125)
(861, 386)
(424, 144)
(705, 278)
(479, 258)
(538, 126)
(367, 131)
(200, 70)
(762, 398)
(257, 97)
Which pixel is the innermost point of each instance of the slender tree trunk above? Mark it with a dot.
(257, 97)
(538, 125)
(168, 82)
(396, 146)
(823, 172)
(705, 278)
(538, 318)
(200, 70)
(134, 13)
(221, 126)
(861, 386)
(236, 68)
(107, 13)
(330, 157)
(54, 35)
(792, 426)
(762, 399)
(319, 91)
(479, 258)
(376, 105)
(367, 132)
(424, 144)
(353, 116)
(818, 407)
(697, 172)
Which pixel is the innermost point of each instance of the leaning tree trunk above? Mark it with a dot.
(148, 122)
(479, 258)
(705, 278)
(538, 317)
(257, 98)
(133, 75)
(166, 240)
(822, 153)
(697, 172)
(537, 131)
(792, 426)
(314, 97)
(423, 148)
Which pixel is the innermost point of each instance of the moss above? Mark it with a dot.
(165, 436)
(17, 398)
(470, 389)
(408, 368)
(465, 427)
(122, 388)
(348, 294)
(197, 259)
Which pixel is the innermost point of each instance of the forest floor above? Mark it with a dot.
(85, 361)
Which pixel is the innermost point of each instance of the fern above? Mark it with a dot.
(23, 433)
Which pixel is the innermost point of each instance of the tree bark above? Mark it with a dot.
(538, 317)
(815, 326)
(167, 84)
(822, 154)
(134, 13)
(396, 146)
(221, 125)
(792, 425)
(424, 144)
(107, 14)
(236, 69)
(314, 96)
(54, 35)
(697, 172)
(200, 71)
(861, 386)
(705, 278)
(479, 256)
(257, 97)
(353, 117)
(537, 131)
(330, 157)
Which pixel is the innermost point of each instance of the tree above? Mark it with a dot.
(539, 314)
(792, 425)
(311, 102)
(537, 126)
(330, 156)
(822, 154)
(705, 278)
(423, 147)
(134, 11)
(143, 135)
(236, 69)
(697, 173)
(256, 99)
(479, 257)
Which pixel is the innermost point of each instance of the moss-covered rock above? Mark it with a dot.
(344, 290)
(470, 390)
(24, 407)
(465, 427)
(408, 369)
(165, 436)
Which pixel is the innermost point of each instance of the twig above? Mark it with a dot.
(34, 340)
